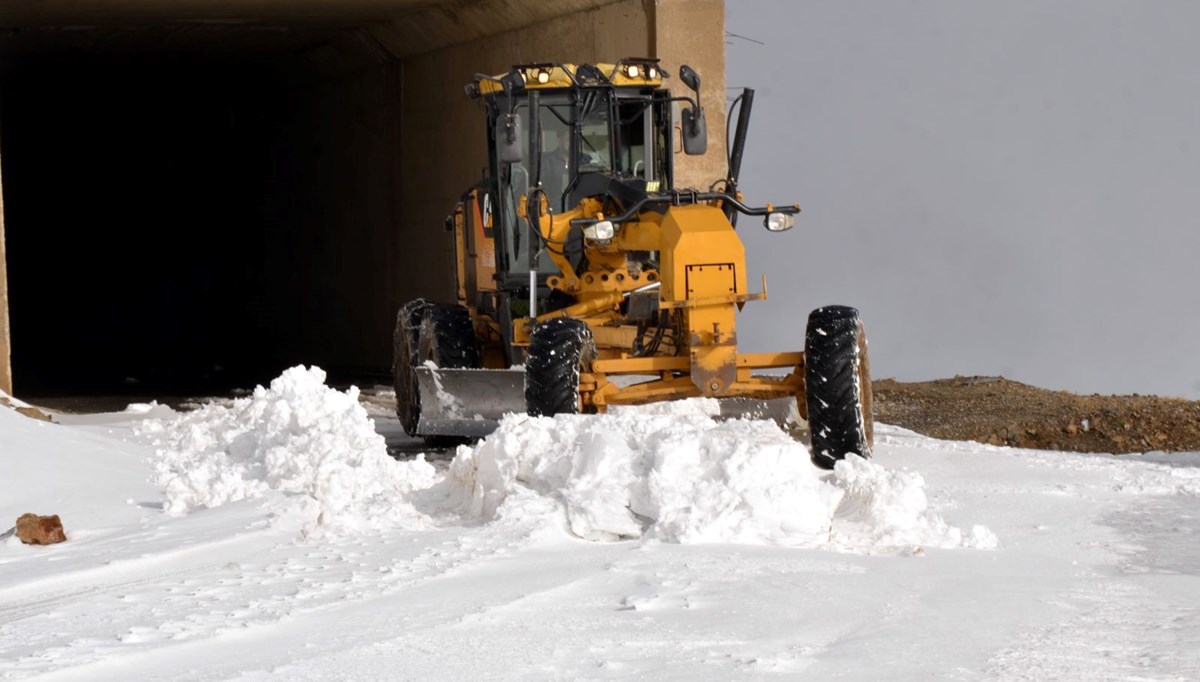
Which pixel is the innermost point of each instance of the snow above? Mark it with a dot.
(297, 436)
(674, 474)
(450, 405)
(272, 538)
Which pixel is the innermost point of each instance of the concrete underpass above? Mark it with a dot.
(199, 194)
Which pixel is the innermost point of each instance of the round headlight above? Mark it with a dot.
(632, 70)
(651, 73)
(543, 76)
(600, 232)
(778, 222)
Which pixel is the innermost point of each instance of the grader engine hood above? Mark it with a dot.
(704, 273)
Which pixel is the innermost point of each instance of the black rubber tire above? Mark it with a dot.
(426, 331)
(447, 336)
(559, 349)
(837, 377)
(404, 353)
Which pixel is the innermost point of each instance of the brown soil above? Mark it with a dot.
(997, 411)
(31, 412)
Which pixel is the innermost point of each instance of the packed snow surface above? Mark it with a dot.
(272, 538)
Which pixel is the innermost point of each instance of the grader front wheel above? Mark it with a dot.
(559, 349)
(837, 379)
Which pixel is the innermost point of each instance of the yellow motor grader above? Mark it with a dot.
(586, 278)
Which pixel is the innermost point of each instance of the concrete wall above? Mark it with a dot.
(331, 212)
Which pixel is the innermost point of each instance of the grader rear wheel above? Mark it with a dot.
(404, 353)
(837, 377)
(428, 331)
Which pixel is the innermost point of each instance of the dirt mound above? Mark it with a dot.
(997, 411)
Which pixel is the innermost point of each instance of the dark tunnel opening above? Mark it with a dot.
(191, 222)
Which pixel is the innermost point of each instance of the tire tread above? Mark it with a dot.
(558, 349)
(837, 385)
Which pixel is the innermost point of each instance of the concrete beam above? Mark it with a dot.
(692, 32)
(5, 352)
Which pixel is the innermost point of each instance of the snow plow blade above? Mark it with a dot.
(470, 402)
(467, 402)
(782, 411)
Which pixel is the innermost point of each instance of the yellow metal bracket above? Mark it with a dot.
(717, 300)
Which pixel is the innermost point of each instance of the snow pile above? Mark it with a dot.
(145, 408)
(298, 436)
(674, 474)
(883, 508)
(667, 472)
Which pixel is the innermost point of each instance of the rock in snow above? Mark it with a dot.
(40, 530)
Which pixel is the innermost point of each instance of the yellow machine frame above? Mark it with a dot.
(703, 275)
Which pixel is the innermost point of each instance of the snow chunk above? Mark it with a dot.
(890, 509)
(146, 408)
(298, 436)
(670, 472)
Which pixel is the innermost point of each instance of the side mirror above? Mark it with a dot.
(695, 131)
(508, 138)
(690, 78)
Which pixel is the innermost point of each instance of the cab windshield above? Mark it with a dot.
(582, 131)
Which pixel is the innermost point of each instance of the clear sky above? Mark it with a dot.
(1001, 188)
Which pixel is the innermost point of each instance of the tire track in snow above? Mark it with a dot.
(209, 605)
(57, 590)
(1136, 622)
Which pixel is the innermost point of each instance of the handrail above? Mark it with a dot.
(688, 198)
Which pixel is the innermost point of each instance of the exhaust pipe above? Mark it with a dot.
(735, 152)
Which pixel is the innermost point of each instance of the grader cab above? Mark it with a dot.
(586, 278)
